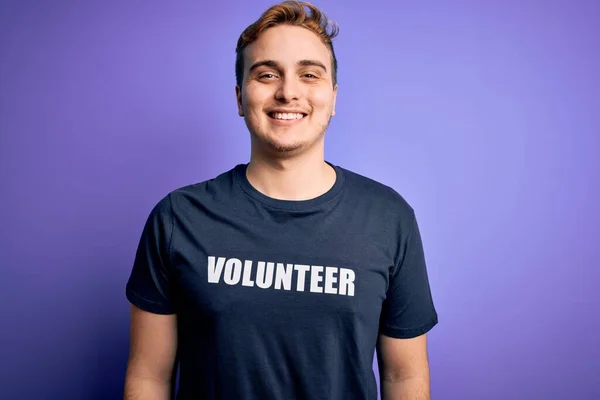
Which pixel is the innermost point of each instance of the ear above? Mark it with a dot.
(335, 89)
(238, 96)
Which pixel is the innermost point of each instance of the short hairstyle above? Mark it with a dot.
(294, 13)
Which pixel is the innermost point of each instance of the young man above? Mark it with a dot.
(280, 278)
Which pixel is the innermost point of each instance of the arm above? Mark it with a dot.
(403, 368)
(152, 356)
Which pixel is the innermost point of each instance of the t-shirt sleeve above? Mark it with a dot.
(408, 310)
(149, 283)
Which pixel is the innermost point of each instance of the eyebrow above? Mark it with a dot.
(275, 64)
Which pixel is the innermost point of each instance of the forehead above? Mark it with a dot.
(287, 44)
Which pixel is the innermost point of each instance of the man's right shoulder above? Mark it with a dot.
(205, 191)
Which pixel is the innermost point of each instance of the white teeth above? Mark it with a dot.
(287, 115)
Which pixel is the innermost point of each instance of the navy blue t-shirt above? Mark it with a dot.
(280, 299)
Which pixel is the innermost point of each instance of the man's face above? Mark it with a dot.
(287, 96)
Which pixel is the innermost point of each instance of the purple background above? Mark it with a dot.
(484, 116)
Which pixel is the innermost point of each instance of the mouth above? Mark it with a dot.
(286, 116)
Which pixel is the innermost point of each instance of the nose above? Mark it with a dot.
(288, 90)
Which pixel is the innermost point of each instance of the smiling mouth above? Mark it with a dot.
(286, 116)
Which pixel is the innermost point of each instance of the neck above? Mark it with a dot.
(301, 178)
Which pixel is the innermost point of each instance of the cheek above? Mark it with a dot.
(251, 107)
(322, 100)
(255, 97)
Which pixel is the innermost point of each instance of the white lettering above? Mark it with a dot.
(315, 278)
(233, 271)
(246, 281)
(330, 279)
(264, 279)
(302, 270)
(283, 277)
(215, 269)
(346, 281)
(279, 276)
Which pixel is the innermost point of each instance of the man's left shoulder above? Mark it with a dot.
(360, 185)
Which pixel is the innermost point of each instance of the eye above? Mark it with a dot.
(267, 76)
(310, 76)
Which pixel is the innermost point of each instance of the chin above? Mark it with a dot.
(284, 141)
(284, 146)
